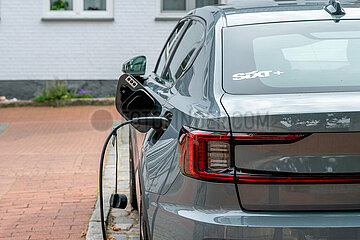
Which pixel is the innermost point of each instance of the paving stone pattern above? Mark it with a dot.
(49, 159)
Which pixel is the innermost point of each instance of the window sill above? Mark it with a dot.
(80, 18)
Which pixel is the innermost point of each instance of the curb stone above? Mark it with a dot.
(60, 103)
(122, 218)
(94, 228)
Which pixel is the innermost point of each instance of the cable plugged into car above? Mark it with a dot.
(135, 103)
(120, 200)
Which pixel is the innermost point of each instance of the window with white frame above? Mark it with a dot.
(178, 8)
(78, 9)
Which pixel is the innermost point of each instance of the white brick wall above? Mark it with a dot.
(31, 49)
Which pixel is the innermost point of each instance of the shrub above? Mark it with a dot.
(84, 94)
(55, 91)
(60, 90)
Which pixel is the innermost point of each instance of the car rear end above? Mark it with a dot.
(293, 100)
(289, 168)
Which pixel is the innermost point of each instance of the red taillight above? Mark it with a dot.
(207, 156)
(193, 155)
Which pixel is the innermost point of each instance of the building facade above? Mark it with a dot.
(83, 42)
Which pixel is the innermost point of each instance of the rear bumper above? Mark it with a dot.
(238, 218)
(192, 223)
(194, 209)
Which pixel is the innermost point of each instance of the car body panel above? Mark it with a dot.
(179, 207)
(318, 153)
(286, 16)
(300, 197)
(192, 209)
(303, 112)
(160, 168)
(332, 148)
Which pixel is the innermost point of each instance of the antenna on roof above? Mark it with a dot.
(334, 8)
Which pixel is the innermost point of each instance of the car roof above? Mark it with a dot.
(246, 12)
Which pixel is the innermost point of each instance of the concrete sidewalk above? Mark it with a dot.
(49, 160)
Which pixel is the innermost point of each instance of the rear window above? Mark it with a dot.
(292, 57)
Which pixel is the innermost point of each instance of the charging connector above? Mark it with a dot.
(120, 200)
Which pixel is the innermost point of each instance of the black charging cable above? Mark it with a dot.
(151, 122)
(115, 144)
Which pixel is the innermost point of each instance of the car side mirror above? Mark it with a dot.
(135, 66)
(133, 100)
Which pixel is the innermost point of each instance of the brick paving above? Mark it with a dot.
(48, 171)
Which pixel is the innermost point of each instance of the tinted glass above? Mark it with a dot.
(202, 3)
(174, 5)
(186, 49)
(95, 5)
(292, 57)
(168, 48)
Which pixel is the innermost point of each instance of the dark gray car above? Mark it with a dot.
(264, 140)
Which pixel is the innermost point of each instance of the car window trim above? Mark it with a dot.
(167, 41)
(177, 43)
